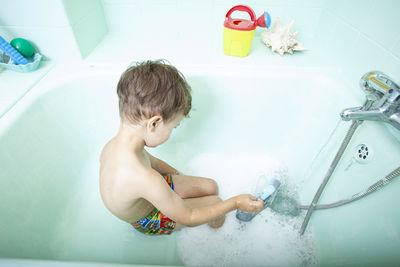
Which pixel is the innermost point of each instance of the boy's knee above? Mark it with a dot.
(219, 221)
(211, 187)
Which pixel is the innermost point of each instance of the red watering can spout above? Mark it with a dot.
(264, 20)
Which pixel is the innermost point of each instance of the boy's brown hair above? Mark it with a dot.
(152, 88)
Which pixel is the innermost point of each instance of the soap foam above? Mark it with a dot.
(270, 239)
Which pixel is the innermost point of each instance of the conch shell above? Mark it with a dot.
(281, 39)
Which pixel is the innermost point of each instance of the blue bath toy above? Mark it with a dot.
(12, 52)
(267, 194)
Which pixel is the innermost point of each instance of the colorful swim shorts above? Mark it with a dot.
(156, 223)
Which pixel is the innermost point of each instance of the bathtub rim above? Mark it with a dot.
(17, 262)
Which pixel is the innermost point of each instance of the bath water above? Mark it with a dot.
(270, 239)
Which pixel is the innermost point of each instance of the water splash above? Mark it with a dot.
(270, 239)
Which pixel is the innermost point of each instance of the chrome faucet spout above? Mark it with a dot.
(395, 121)
(360, 114)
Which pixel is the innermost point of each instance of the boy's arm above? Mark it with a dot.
(160, 166)
(174, 207)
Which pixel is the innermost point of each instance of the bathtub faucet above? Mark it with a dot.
(383, 100)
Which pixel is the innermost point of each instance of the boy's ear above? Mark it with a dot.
(153, 122)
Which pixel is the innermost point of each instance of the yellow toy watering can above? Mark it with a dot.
(239, 33)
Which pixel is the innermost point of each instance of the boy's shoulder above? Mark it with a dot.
(116, 149)
(122, 174)
(119, 161)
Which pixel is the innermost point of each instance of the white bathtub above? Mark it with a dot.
(50, 141)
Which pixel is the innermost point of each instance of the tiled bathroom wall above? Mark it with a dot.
(160, 16)
(43, 22)
(188, 30)
(163, 20)
(356, 35)
(60, 29)
(362, 35)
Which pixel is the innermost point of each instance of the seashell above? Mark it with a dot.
(281, 39)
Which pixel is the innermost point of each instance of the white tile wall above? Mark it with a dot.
(38, 13)
(200, 17)
(363, 35)
(42, 22)
(77, 10)
(70, 29)
(64, 30)
(396, 48)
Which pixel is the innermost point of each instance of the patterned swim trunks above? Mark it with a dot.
(156, 223)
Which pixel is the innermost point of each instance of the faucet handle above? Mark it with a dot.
(380, 85)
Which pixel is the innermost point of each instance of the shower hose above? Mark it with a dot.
(359, 195)
(332, 167)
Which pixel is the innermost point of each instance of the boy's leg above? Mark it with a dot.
(193, 187)
(199, 202)
(197, 192)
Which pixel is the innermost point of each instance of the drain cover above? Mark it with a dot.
(363, 154)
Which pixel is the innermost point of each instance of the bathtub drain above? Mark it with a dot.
(363, 154)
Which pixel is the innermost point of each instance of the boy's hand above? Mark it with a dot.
(248, 203)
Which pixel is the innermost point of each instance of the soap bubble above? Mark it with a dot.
(270, 239)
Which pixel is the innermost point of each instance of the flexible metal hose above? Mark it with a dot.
(359, 195)
(328, 175)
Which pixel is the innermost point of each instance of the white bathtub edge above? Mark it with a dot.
(48, 263)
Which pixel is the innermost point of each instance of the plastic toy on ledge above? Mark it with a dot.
(239, 33)
(22, 58)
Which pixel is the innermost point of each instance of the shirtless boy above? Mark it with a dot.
(142, 189)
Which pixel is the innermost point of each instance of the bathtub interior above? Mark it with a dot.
(51, 204)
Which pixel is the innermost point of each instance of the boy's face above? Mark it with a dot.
(159, 131)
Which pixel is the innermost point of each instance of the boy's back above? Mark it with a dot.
(120, 173)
